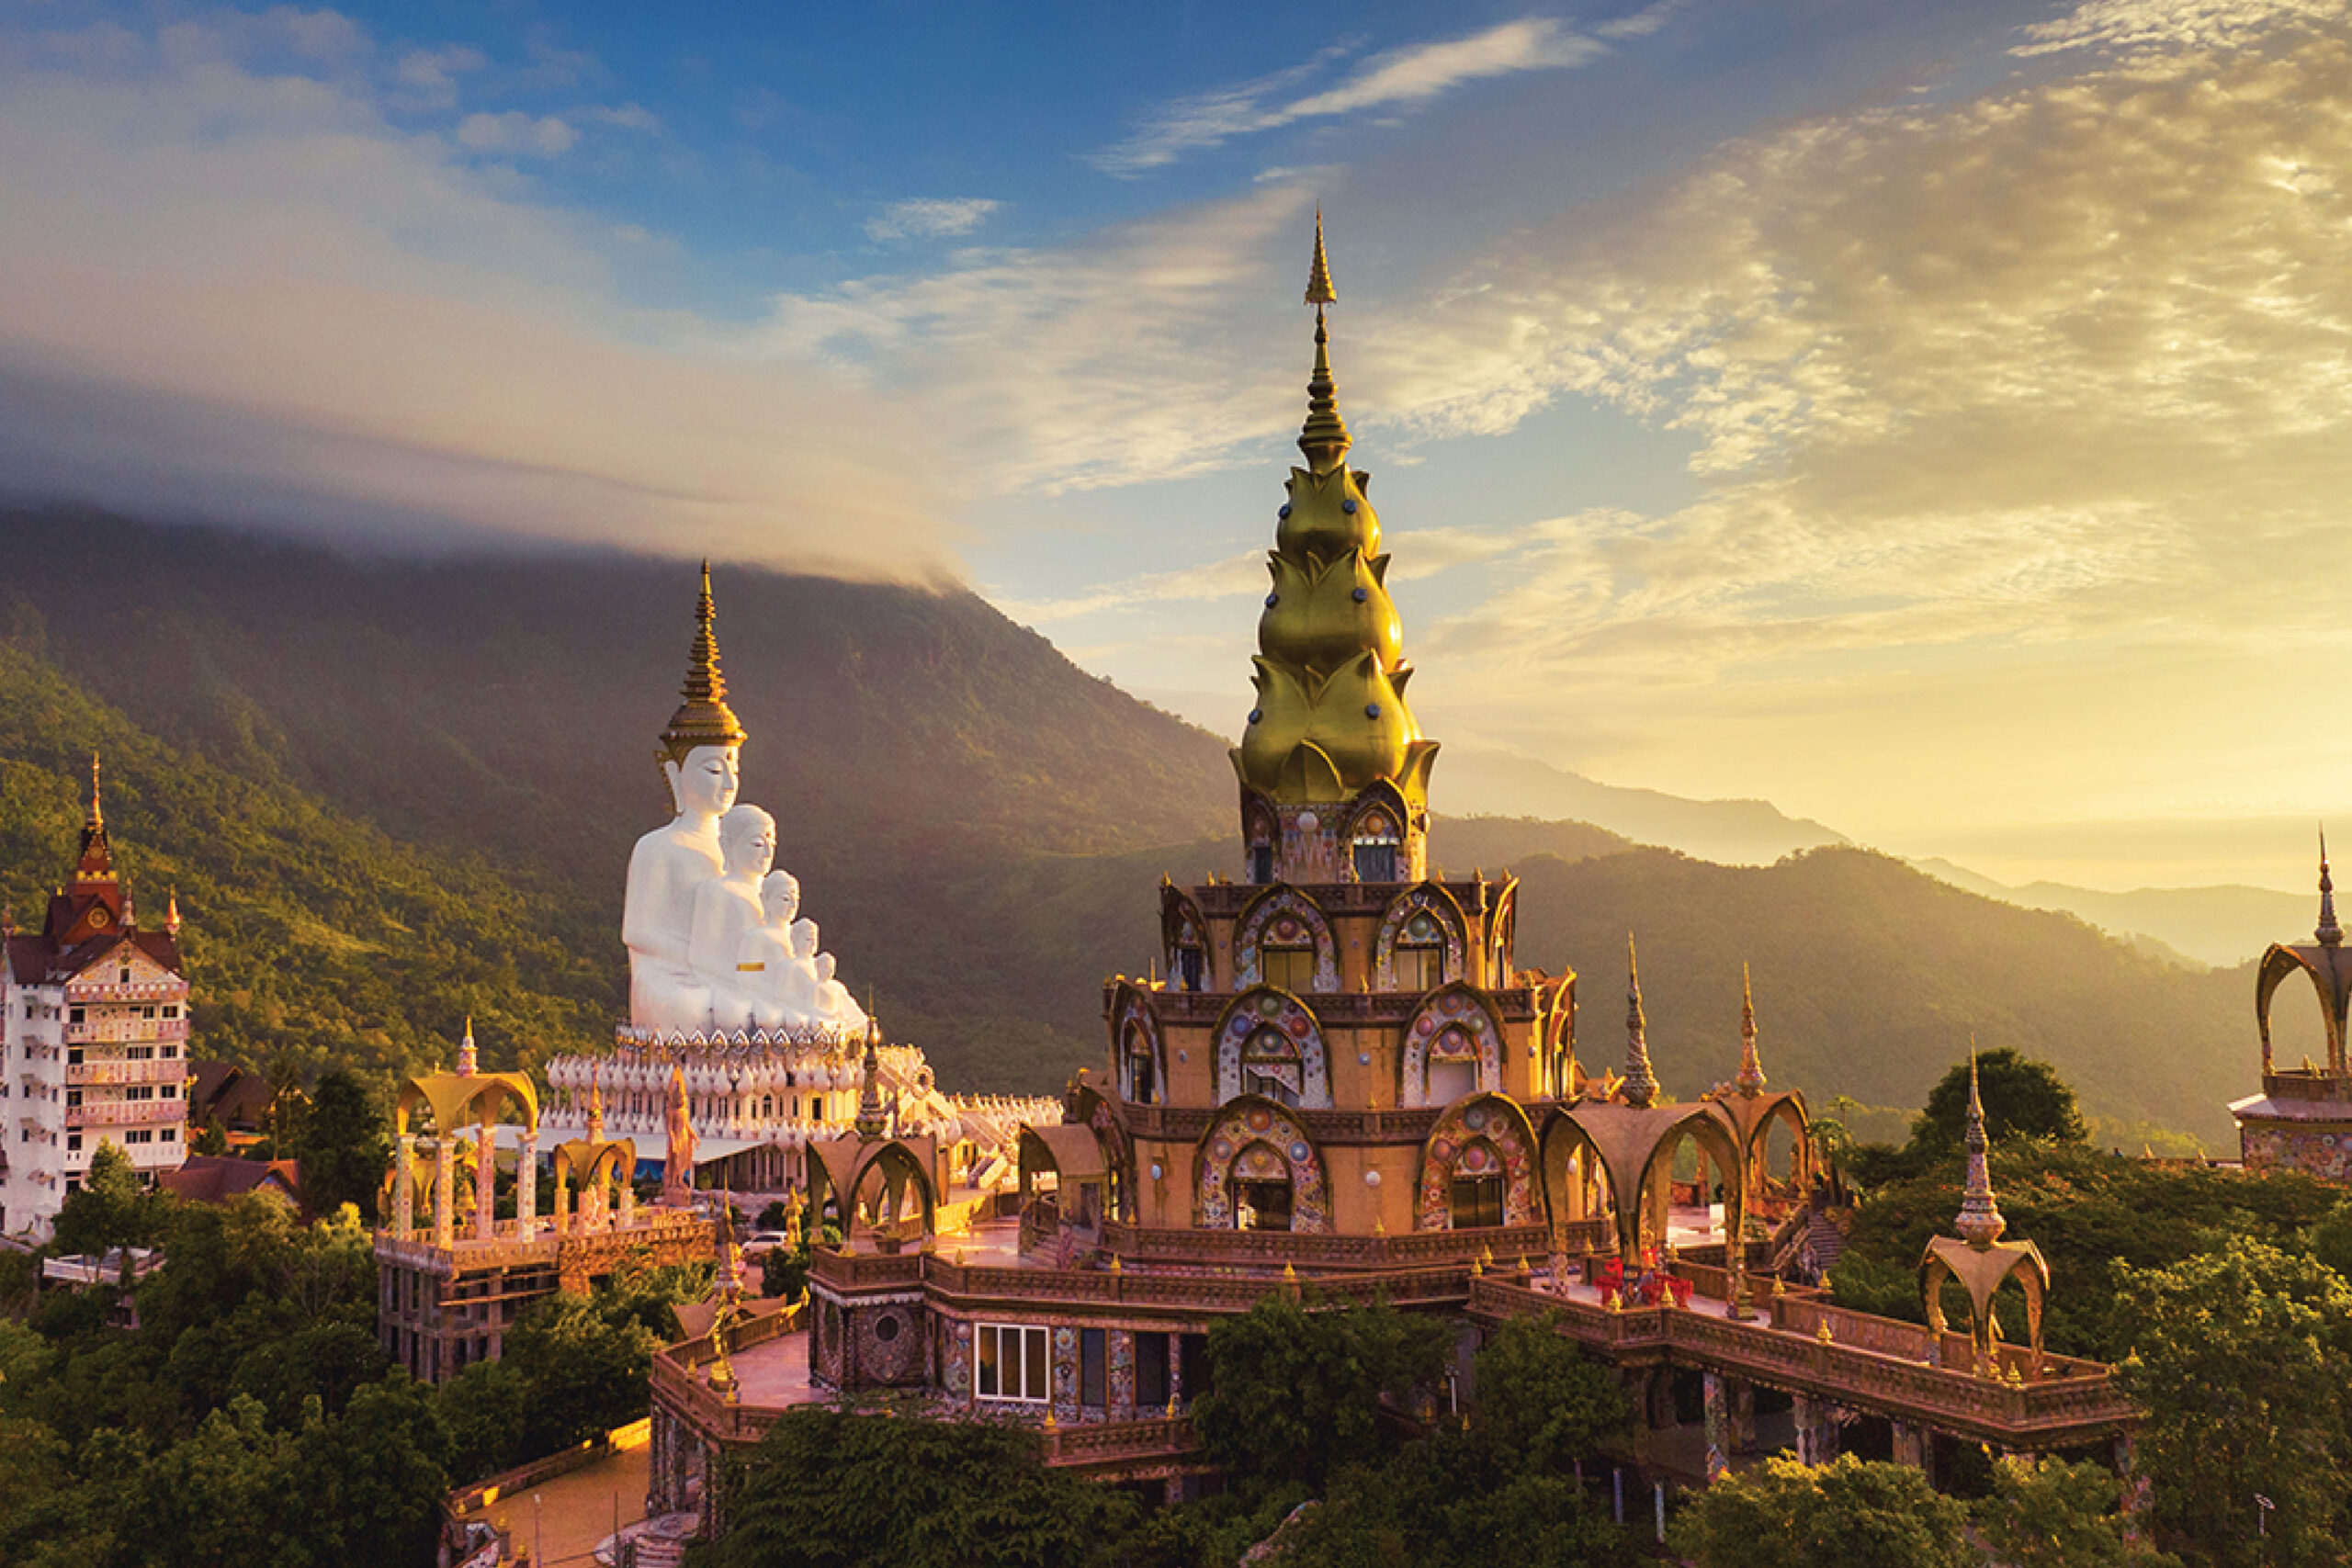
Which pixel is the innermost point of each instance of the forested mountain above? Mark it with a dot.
(392, 793)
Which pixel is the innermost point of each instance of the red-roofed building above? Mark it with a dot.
(93, 1039)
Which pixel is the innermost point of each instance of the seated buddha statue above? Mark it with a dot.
(728, 905)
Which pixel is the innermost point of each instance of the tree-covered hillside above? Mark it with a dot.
(394, 792)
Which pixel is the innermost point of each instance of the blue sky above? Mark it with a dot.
(1925, 416)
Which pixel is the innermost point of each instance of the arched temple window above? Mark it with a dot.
(1421, 953)
(1475, 1189)
(1262, 1189)
(1140, 1080)
(1374, 850)
(1270, 1065)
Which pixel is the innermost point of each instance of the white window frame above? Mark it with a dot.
(1037, 1362)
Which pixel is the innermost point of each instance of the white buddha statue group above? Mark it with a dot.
(714, 944)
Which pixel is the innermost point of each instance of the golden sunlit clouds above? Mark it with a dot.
(2027, 423)
(227, 290)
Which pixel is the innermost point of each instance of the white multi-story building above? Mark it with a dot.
(92, 1040)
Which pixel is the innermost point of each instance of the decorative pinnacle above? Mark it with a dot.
(704, 718)
(1318, 274)
(468, 1061)
(595, 1108)
(1980, 1223)
(171, 912)
(1640, 1083)
(2329, 933)
(1750, 1080)
(1325, 439)
(99, 818)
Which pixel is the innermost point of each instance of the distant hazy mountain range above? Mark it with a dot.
(392, 793)
(2214, 926)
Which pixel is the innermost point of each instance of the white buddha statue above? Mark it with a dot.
(729, 905)
(835, 1004)
(764, 956)
(700, 753)
(795, 983)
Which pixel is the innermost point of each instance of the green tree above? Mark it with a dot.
(2239, 1358)
(1293, 1391)
(109, 1209)
(343, 1146)
(1856, 1515)
(369, 1484)
(2023, 1099)
(830, 1489)
(204, 1503)
(1541, 1401)
(2049, 1514)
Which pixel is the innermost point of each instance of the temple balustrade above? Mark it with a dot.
(1870, 1364)
(1515, 1004)
(1227, 899)
(849, 1274)
(1273, 1248)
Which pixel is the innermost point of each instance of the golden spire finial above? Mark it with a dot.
(99, 818)
(1751, 1067)
(1325, 439)
(1640, 1083)
(1318, 274)
(2329, 933)
(1980, 1223)
(704, 718)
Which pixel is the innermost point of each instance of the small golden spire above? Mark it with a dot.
(1751, 1067)
(704, 718)
(1319, 272)
(1641, 1081)
(1325, 439)
(99, 818)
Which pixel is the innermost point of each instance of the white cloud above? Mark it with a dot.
(1396, 78)
(2173, 24)
(623, 117)
(245, 291)
(545, 135)
(930, 219)
(427, 78)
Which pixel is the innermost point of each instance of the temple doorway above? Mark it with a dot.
(1261, 1205)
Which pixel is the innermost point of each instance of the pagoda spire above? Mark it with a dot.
(703, 718)
(1980, 1223)
(1331, 720)
(2329, 933)
(1641, 1081)
(1750, 1080)
(1325, 439)
(469, 1060)
(96, 863)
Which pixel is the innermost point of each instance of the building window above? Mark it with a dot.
(1261, 864)
(171, 1010)
(140, 1054)
(1094, 1367)
(72, 1143)
(1189, 968)
(138, 1135)
(1291, 968)
(171, 1052)
(1421, 953)
(73, 1057)
(1013, 1363)
(126, 975)
(1376, 860)
(1270, 1065)
(72, 1098)
(1477, 1201)
(171, 1134)
(79, 1015)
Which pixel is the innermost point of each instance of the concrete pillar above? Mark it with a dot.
(405, 1191)
(1816, 1421)
(628, 1200)
(562, 1193)
(1914, 1445)
(527, 1184)
(444, 1191)
(485, 1184)
(1719, 1423)
(2138, 1493)
(1741, 1394)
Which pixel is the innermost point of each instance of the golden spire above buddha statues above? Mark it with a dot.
(703, 718)
(1330, 718)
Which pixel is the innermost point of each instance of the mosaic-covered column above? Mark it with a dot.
(1912, 1445)
(404, 1190)
(527, 1184)
(444, 1191)
(485, 1184)
(1816, 1431)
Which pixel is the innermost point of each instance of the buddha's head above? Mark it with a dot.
(703, 784)
(747, 841)
(826, 965)
(779, 897)
(804, 939)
